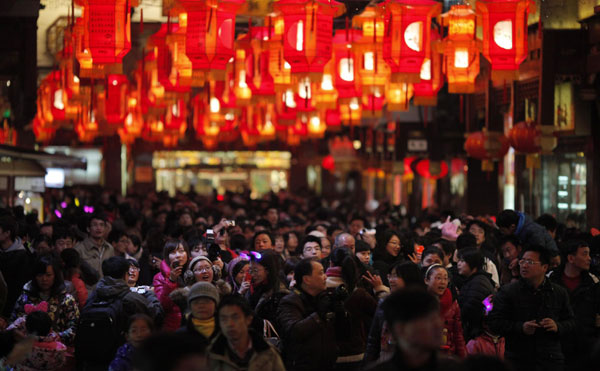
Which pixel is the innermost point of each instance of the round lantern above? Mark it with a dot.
(487, 146)
(504, 24)
(431, 169)
(328, 163)
(307, 34)
(525, 137)
(407, 34)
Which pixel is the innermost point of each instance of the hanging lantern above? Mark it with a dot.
(163, 55)
(279, 68)
(407, 35)
(525, 137)
(286, 108)
(181, 66)
(461, 53)
(351, 112)
(326, 95)
(209, 37)
(52, 98)
(307, 34)
(431, 169)
(504, 24)
(206, 129)
(315, 126)
(346, 79)
(487, 146)
(241, 90)
(426, 91)
(372, 70)
(333, 120)
(328, 163)
(256, 63)
(398, 95)
(176, 119)
(115, 99)
(372, 106)
(134, 121)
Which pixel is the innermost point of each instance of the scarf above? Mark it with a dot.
(334, 272)
(206, 327)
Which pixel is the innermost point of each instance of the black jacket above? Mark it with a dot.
(437, 362)
(373, 349)
(474, 290)
(585, 301)
(532, 233)
(519, 302)
(15, 265)
(308, 341)
(383, 262)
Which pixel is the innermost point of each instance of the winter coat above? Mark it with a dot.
(15, 267)
(373, 348)
(163, 286)
(47, 354)
(585, 301)
(486, 344)
(438, 362)
(81, 292)
(3, 292)
(531, 233)
(519, 302)
(188, 328)
(122, 361)
(383, 262)
(450, 312)
(265, 302)
(360, 306)
(264, 358)
(309, 342)
(474, 290)
(93, 254)
(62, 309)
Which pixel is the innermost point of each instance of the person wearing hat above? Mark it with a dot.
(202, 269)
(202, 302)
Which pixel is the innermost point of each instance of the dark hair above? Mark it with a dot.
(309, 238)
(570, 247)
(408, 304)
(8, 223)
(480, 224)
(263, 223)
(473, 257)
(548, 222)
(98, 216)
(341, 257)
(60, 233)
(509, 238)
(290, 264)
(141, 316)
(386, 237)
(303, 268)
(332, 228)
(133, 262)
(286, 237)
(258, 234)
(357, 217)
(115, 235)
(172, 245)
(429, 271)
(135, 240)
(448, 247)
(237, 242)
(38, 323)
(409, 272)
(507, 218)
(162, 352)
(70, 258)
(465, 240)
(115, 267)
(432, 250)
(235, 300)
(271, 261)
(238, 267)
(542, 251)
(39, 267)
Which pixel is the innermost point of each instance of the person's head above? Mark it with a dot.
(288, 269)
(507, 221)
(120, 241)
(345, 240)
(46, 229)
(406, 274)
(203, 269)
(97, 224)
(470, 261)
(548, 222)
(325, 247)
(436, 279)
(175, 252)
(272, 215)
(291, 241)
(310, 248)
(576, 255)
(448, 248)
(47, 275)
(238, 268)
(70, 259)
(38, 323)
(116, 267)
(139, 328)
(61, 239)
(357, 223)
(341, 257)
(555, 260)
(363, 251)
(185, 219)
(235, 317)
(279, 244)
(135, 244)
(42, 244)
(510, 247)
(390, 242)
(466, 240)
(262, 240)
(432, 255)
(203, 300)
(477, 229)
(310, 276)
(133, 274)
(264, 268)
(8, 229)
(534, 262)
(414, 320)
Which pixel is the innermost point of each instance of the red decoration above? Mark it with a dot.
(328, 163)
(426, 91)
(487, 146)
(115, 100)
(525, 137)
(257, 54)
(346, 79)
(432, 169)
(108, 29)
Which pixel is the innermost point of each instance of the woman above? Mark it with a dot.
(262, 241)
(291, 240)
(201, 269)
(48, 286)
(359, 305)
(175, 261)
(485, 244)
(436, 279)
(238, 274)
(202, 301)
(387, 252)
(406, 274)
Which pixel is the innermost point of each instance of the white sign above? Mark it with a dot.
(417, 145)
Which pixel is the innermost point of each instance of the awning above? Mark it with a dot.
(46, 160)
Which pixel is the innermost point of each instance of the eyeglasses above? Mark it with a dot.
(528, 262)
(392, 277)
(133, 270)
(202, 270)
(255, 270)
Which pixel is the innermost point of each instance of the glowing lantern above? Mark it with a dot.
(372, 70)
(308, 32)
(431, 169)
(210, 35)
(461, 53)
(504, 24)
(258, 75)
(525, 137)
(406, 41)
(426, 91)
(279, 68)
(176, 119)
(303, 97)
(328, 163)
(86, 126)
(487, 146)
(43, 133)
(398, 95)
(333, 120)
(286, 108)
(181, 66)
(108, 29)
(315, 126)
(351, 112)
(238, 84)
(206, 129)
(164, 61)
(372, 105)
(134, 121)
(326, 95)
(52, 98)
(345, 64)
(115, 99)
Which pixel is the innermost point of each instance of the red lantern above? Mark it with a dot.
(407, 35)
(307, 34)
(346, 79)
(258, 77)
(373, 71)
(328, 163)
(108, 29)
(504, 24)
(210, 35)
(52, 98)
(432, 169)
(487, 146)
(115, 99)
(426, 91)
(525, 137)
(164, 60)
(372, 106)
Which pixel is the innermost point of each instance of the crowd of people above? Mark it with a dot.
(291, 282)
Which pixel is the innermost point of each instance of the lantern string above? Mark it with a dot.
(141, 20)
(209, 19)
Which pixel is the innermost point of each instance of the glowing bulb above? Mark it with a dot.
(354, 104)
(215, 105)
(175, 110)
(287, 66)
(242, 82)
(290, 102)
(304, 88)
(114, 82)
(346, 68)
(315, 123)
(426, 69)
(326, 82)
(129, 119)
(300, 36)
(229, 116)
(369, 58)
(28, 200)
(356, 144)
(76, 79)
(461, 58)
(58, 100)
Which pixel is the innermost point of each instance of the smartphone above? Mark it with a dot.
(174, 264)
(230, 223)
(419, 249)
(248, 277)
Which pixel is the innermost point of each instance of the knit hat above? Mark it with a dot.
(361, 246)
(203, 290)
(197, 259)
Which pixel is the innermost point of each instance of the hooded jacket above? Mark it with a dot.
(264, 358)
(163, 286)
(529, 232)
(474, 290)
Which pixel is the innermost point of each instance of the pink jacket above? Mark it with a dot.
(163, 286)
(488, 345)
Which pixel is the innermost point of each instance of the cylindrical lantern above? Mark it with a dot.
(256, 67)
(398, 95)
(108, 28)
(432, 80)
(372, 70)
(346, 79)
(115, 99)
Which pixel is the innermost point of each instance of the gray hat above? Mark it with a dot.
(203, 290)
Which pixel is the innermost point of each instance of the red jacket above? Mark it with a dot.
(487, 345)
(163, 286)
(80, 289)
(450, 311)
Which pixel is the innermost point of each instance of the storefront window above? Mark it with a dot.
(564, 186)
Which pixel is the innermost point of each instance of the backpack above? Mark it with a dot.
(99, 333)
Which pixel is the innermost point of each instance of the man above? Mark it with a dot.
(14, 262)
(509, 266)
(238, 347)
(532, 314)
(306, 319)
(94, 249)
(272, 215)
(413, 317)
(529, 232)
(345, 240)
(549, 222)
(357, 223)
(584, 295)
(310, 248)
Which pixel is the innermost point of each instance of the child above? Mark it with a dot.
(139, 329)
(48, 352)
(71, 272)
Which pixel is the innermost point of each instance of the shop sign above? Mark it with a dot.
(417, 145)
(32, 184)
